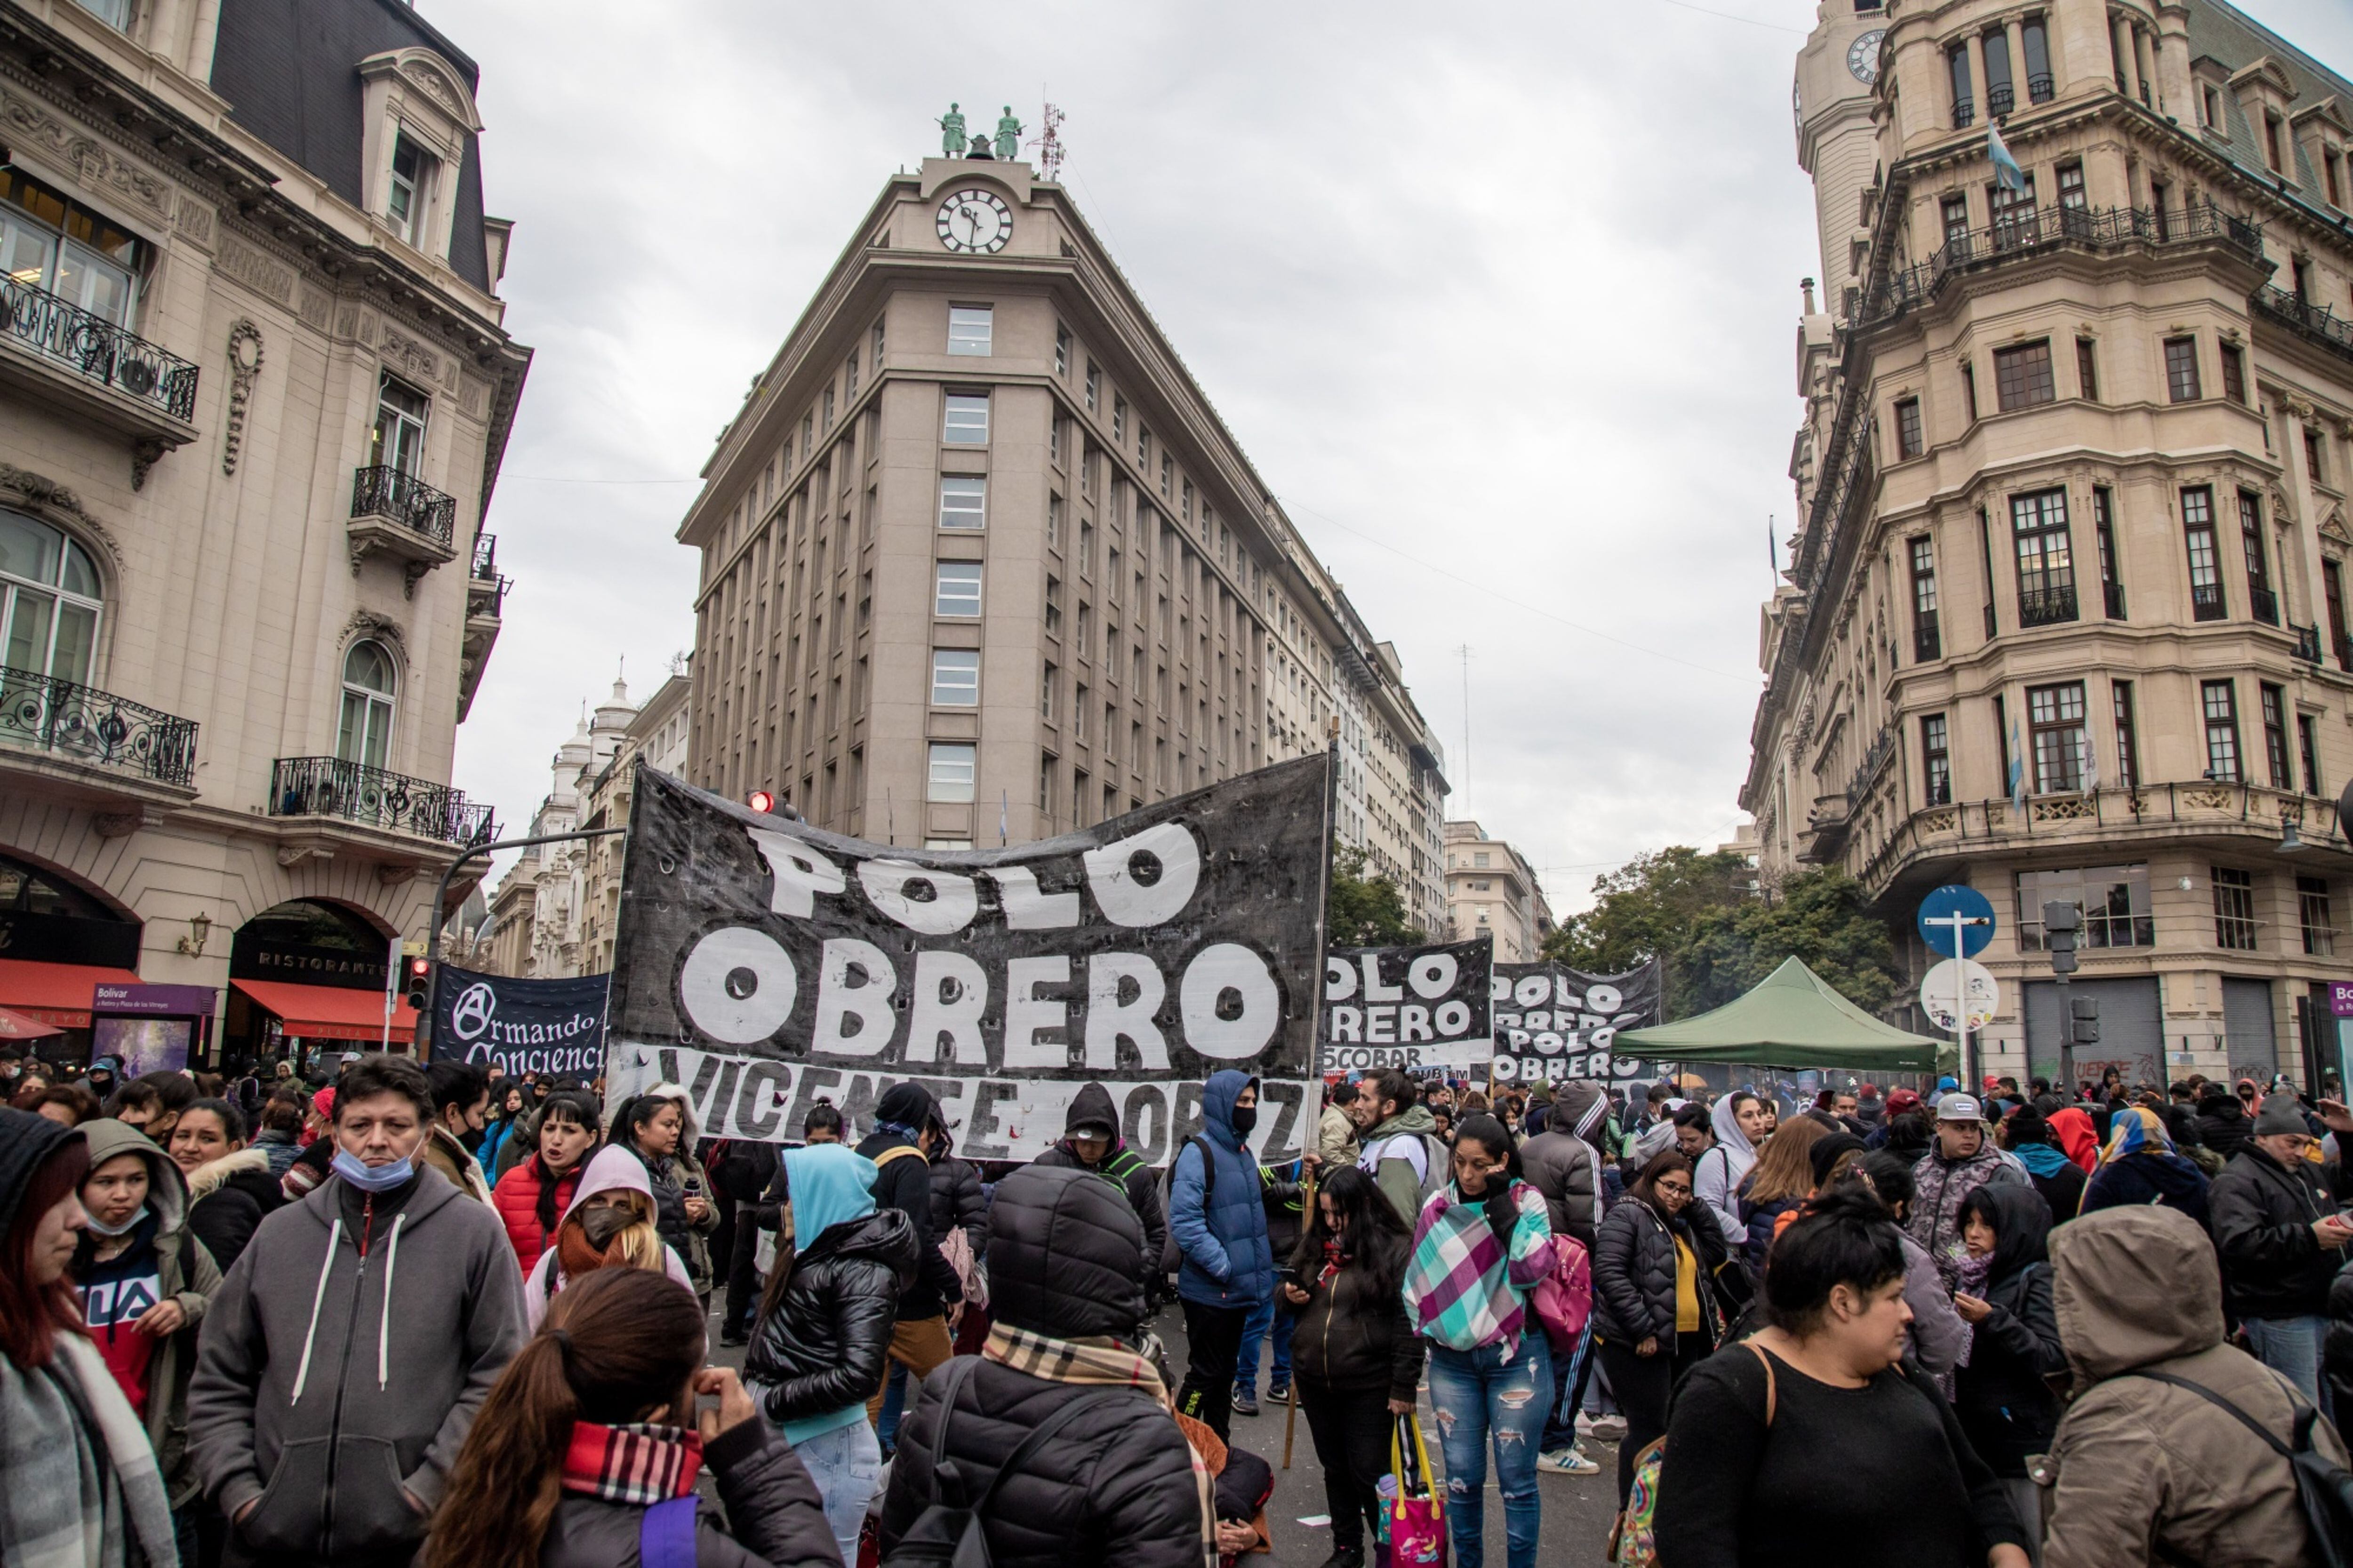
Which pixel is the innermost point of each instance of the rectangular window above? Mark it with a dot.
(1118, 420)
(1167, 476)
(2329, 163)
(2034, 40)
(1969, 389)
(1053, 606)
(1047, 769)
(2262, 602)
(2205, 560)
(1079, 704)
(2000, 97)
(2087, 370)
(1957, 70)
(950, 779)
(964, 501)
(970, 327)
(398, 440)
(2104, 530)
(2022, 376)
(2181, 369)
(2313, 916)
(1908, 442)
(2234, 907)
(2120, 697)
(2332, 587)
(1954, 211)
(2315, 454)
(2114, 900)
(2271, 142)
(1045, 687)
(2046, 564)
(2234, 374)
(967, 419)
(2013, 215)
(2274, 707)
(955, 678)
(853, 376)
(1053, 522)
(412, 185)
(1927, 642)
(2055, 716)
(1061, 348)
(2219, 701)
(2072, 197)
(2210, 102)
(1094, 386)
(876, 337)
(958, 591)
(1935, 760)
(2307, 740)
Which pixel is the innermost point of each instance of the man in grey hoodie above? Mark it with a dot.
(347, 1352)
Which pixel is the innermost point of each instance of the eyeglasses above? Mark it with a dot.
(1674, 1188)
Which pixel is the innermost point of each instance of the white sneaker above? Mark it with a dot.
(1567, 1462)
(1607, 1428)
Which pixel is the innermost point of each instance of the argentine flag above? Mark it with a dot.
(2006, 171)
(2017, 761)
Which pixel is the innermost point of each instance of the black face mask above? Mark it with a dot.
(1245, 1117)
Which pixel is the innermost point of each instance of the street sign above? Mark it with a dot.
(1937, 912)
(1943, 987)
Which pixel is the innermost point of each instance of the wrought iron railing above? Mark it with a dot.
(2001, 100)
(2307, 642)
(87, 725)
(2112, 595)
(487, 596)
(98, 349)
(386, 492)
(1849, 469)
(2344, 654)
(2039, 88)
(2263, 606)
(2206, 602)
(1965, 114)
(329, 787)
(486, 556)
(2046, 606)
(2316, 321)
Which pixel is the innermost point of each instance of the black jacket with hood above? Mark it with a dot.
(826, 1344)
(2005, 1406)
(903, 1182)
(227, 1200)
(1115, 1484)
(1091, 1107)
(2223, 1123)
(1634, 1269)
(2273, 1265)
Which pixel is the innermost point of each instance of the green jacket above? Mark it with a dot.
(1388, 1155)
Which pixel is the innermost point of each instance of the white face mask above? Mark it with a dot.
(131, 1222)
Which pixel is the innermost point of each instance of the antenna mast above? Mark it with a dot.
(1049, 142)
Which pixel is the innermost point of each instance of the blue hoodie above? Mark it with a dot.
(1229, 1262)
(830, 1184)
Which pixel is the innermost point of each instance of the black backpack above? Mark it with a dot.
(945, 1535)
(2322, 1485)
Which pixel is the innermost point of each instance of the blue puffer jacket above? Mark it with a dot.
(1222, 1234)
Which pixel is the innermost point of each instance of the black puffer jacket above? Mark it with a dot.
(904, 1182)
(957, 1202)
(825, 1344)
(2273, 1265)
(775, 1517)
(2223, 1123)
(1091, 1107)
(1116, 1485)
(1568, 1170)
(1634, 1269)
(1354, 1335)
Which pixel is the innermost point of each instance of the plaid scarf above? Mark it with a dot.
(1102, 1362)
(639, 1464)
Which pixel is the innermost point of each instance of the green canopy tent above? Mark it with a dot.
(1794, 1019)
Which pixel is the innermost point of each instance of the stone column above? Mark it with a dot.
(2125, 63)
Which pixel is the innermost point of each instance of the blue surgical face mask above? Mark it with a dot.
(372, 1178)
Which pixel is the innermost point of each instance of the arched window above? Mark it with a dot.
(370, 684)
(48, 600)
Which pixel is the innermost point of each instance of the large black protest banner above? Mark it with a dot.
(1407, 1008)
(763, 964)
(1553, 1022)
(552, 1027)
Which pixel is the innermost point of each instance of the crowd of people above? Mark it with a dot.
(409, 1313)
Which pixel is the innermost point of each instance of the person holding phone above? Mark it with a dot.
(2281, 1238)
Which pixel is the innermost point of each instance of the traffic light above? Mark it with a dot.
(2086, 1020)
(419, 983)
(761, 801)
(2061, 923)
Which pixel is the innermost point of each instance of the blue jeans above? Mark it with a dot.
(2291, 1347)
(847, 1466)
(1474, 1394)
(1267, 1316)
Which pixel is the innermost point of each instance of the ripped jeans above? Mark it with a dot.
(1474, 1394)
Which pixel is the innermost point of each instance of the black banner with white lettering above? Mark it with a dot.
(552, 1027)
(1407, 1008)
(1553, 1022)
(763, 964)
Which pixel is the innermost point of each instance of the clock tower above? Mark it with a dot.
(1836, 141)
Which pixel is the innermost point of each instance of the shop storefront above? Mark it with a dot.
(152, 1029)
(306, 981)
(58, 946)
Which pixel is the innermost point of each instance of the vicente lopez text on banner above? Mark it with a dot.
(762, 962)
(1553, 1022)
(1407, 1008)
(552, 1027)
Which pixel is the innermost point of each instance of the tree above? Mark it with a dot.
(1651, 905)
(1367, 911)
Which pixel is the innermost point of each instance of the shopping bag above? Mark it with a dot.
(1414, 1514)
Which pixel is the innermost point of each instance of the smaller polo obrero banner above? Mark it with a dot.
(1407, 1008)
(552, 1027)
(1553, 1022)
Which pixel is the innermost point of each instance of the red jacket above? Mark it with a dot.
(517, 1197)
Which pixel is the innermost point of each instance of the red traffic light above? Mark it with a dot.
(761, 801)
(418, 968)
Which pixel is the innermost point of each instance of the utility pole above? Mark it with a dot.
(1464, 810)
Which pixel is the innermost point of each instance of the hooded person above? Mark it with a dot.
(907, 1127)
(2072, 1125)
(1999, 1391)
(822, 1340)
(1402, 1151)
(346, 1355)
(1090, 1141)
(1738, 1120)
(2141, 1165)
(2145, 1466)
(1217, 1214)
(610, 1220)
(1114, 1480)
(2058, 1178)
(145, 1282)
(2223, 1122)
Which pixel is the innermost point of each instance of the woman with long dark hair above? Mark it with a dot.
(659, 1128)
(531, 1198)
(511, 1103)
(587, 1450)
(1356, 1359)
(83, 1476)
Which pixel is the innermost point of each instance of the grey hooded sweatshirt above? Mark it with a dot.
(342, 1364)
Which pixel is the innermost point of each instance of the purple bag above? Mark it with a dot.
(666, 1534)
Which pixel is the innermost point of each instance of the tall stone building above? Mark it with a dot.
(2065, 616)
(1493, 892)
(980, 562)
(254, 394)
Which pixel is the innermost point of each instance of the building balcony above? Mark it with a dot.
(1927, 642)
(2111, 595)
(83, 725)
(2263, 606)
(2206, 602)
(399, 515)
(351, 792)
(2039, 87)
(2001, 100)
(2307, 642)
(1965, 114)
(486, 592)
(2046, 606)
(2316, 323)
(84, 363)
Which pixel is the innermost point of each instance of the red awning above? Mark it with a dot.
(15, 1026)
(57, 994)
(329, 1012)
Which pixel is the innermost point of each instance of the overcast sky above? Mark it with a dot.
(1501, 300)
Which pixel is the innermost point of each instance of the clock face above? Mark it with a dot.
(975, 221)
(1863, 57)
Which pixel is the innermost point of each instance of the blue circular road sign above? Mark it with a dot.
(1937, 913)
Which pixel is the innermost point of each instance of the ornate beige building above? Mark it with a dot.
(1491, 891)
(2065, 616)
(253, 393)
(980, 561)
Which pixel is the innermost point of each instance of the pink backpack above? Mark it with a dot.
(1564, 1296)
